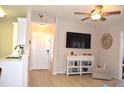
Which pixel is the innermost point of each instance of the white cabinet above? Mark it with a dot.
(11, 74)
(22, 30)
(79, 64)
(14, 72)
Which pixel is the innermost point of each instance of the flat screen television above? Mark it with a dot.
(78, 40)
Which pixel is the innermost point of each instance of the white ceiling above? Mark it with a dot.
(14, 11)
(66, 11)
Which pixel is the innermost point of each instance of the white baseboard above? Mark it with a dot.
(38, 68)
(55, 73)
(116, 77)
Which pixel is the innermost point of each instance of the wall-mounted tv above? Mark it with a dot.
(78, 40)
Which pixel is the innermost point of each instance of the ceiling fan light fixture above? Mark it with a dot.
(96, 17)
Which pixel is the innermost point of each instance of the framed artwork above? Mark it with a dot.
(106, 40)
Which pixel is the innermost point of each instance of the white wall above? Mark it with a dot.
(60, 50)
(110, 56)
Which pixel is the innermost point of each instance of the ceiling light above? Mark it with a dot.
(2, 13)
(95, 17)
(96, 14)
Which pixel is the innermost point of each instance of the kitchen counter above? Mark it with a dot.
(8, 60)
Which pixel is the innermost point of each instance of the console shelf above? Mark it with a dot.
(79, 64)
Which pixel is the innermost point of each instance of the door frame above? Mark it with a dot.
(121, 54)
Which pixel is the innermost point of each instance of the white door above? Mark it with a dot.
(40, 49)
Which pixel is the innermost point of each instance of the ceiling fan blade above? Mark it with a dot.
(85, 18)
(87, 14)
(111, 13)
(98, 7)
(102, 19)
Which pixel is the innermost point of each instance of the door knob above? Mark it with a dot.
(48, 51)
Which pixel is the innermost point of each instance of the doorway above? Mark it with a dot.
(41, 49)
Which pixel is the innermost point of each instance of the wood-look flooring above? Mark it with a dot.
(44, 78)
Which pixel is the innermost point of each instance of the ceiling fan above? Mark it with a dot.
(97, 14)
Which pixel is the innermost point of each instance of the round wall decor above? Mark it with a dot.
(106, 41)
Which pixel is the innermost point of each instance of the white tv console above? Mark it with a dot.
(79, 64)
